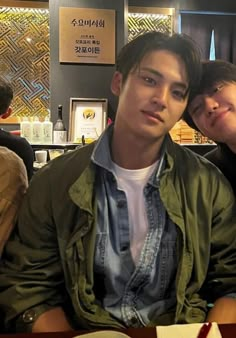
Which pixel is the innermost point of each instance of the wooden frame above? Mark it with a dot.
(22, 3)
(87, 120)
(84, 34)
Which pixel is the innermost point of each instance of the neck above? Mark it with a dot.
(130, 153)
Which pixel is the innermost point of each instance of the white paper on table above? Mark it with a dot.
(103, 334)
(186, 331)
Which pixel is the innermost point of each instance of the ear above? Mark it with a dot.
(116, 83)
(7, 113)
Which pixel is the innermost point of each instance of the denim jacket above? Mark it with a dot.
(56, 235)
(132, 293)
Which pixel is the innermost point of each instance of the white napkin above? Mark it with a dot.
(186, 331)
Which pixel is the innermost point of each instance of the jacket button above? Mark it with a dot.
(29, 316)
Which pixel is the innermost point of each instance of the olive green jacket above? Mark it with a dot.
(49, 259)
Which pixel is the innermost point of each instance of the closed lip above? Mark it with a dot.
(153, 114)
(218, 115)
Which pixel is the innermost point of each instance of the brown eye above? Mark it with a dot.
(179, 95)
(149, 80)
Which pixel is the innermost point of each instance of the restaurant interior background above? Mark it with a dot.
(29, 50)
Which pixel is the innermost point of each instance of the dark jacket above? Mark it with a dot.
(225, 160)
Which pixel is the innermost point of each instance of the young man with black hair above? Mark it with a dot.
(13, 142)
(212, 111)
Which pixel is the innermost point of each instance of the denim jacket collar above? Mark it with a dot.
(102, 155)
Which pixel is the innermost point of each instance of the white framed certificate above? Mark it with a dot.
(88, 119)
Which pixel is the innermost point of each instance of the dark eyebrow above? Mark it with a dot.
(156, 73)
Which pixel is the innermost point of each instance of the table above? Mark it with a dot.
(227, 331)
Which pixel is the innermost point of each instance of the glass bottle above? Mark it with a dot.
(26, 129)
(47, 131)
(59, 129)
(37, 131)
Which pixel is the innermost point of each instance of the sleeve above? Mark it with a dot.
(30, 271)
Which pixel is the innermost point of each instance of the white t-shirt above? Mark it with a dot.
(132, 182)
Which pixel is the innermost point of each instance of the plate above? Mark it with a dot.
(103, 334)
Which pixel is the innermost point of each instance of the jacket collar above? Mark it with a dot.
(81, 191)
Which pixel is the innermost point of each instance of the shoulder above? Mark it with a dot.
(182, 153)
(16, 143)
(200, 179)
(9, 159)
(192, 165)
(21, 143)
(13, 174)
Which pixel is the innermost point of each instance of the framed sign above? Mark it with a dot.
(88, 119)
(86, 35)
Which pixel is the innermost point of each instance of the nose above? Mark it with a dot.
(160, 96)
(210, 104)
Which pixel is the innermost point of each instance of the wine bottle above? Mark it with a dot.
(59, 129)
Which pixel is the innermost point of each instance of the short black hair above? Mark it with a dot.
(182, 45)
(213, 72)
(6, 95)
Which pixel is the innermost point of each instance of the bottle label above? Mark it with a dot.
(59, 136)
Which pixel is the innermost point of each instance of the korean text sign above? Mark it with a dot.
(86, 35)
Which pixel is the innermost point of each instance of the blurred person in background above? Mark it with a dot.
(13, 142)
(212, 111)
(13, 185)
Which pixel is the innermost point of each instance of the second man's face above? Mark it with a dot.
(153, 97)
(214, 112)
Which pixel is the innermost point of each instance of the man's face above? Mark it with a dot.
(153, 97)
(214, 112)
